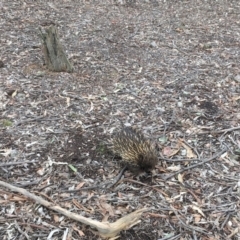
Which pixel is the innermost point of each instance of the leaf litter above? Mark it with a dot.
(138, 62)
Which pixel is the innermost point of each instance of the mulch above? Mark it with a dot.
(169, 68)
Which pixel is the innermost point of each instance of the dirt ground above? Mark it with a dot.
(169, 68)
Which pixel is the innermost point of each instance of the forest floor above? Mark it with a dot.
(169, 68)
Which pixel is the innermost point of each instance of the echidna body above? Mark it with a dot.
(136, 151)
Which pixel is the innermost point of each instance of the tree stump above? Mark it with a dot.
(55, 57)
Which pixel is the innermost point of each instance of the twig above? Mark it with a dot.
(235, 231)
(168, 124)
(40, 118)
(197, 164)
(143, 184)
(178, 160)
(26, 184)
(232, 140)
(15, 163)
(185, 142)
(171, 237)
(20, 230)
(226, 130)
(117, 178)
(225, 221)
(30, 120)
(194, 195)
(198, 229)
(65, 94)
(33, 225)
(105, 229)
(101, 186)
(174, 47)
(221, 131)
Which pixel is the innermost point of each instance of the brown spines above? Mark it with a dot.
(136, 151)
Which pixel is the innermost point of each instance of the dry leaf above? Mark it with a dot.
(157, 215)
(80, 206)
(235, 98)
(14, 94)
(234, 232)
(197, 218)
(180, 178)
(197, 209)
(91, 108)
(224, 155)
(56, 218)
(174, 168)
(67, 205)
(5, 152)
(80, 185)
(169, 152)
(107, 207)
(105, 217)
(80, 232)
(17, 198)
(90, 195)
(68, 101)
(190, 153)
(40, 171)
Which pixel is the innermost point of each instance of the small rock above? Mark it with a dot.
(237, 78)
(180, 104)
(183, 152)
(153, 44)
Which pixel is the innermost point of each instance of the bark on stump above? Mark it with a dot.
(55, 57)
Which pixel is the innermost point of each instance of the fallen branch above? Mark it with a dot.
(143, 184)
(39, 118)
(226, 130)
(187, 226)
(105, 229)
(197, 164)
(101, 186)
(166, 125)
(221, 131)
(16, 163)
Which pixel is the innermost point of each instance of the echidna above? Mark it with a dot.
(137, 153)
